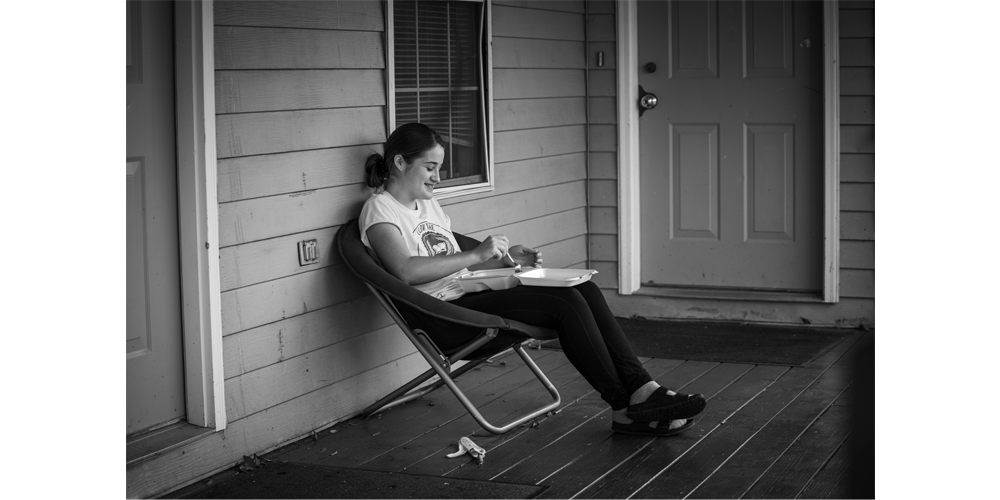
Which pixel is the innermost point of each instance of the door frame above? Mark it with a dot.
(198, 213)
(629, 242)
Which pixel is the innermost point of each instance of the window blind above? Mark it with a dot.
(438, 78)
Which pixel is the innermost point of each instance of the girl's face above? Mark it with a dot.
(419, 178)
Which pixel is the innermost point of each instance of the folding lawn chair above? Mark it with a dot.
(411, 309)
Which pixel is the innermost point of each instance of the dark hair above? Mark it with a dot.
(409, 141)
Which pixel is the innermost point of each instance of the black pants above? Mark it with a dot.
(588, 332)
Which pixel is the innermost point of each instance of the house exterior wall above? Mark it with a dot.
(857, 151)
(857, 194)
(603, 179)
(300, 103)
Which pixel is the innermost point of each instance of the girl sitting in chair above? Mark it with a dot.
(411, 237)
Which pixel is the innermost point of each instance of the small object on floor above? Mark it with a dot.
(662, 406)
(249, 463)
(465, 445)
(644, 429)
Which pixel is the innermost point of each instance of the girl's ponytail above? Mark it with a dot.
(376, 171)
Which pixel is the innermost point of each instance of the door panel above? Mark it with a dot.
(770, 177)
(731, 159)
(696, 188)
(694, 39)
(769, 30)
(154, 366)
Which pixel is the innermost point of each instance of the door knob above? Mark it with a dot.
(647, 101)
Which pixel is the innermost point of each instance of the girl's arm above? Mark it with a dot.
(517, 254)
(391, 250)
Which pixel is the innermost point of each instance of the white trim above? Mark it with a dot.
(198, 214)
(831, 178)
(629, 239)
(390, 64)
(490, 142)
(629, 242)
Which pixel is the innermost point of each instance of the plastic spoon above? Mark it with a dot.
(517, 267)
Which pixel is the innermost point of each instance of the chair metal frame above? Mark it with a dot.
(441, 363)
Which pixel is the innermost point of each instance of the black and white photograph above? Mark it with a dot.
(510, 248)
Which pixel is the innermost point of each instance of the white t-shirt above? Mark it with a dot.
(426, 232)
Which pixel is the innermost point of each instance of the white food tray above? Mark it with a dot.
(555, 277)
(489, 279)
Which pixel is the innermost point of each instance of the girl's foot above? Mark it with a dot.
(664, 404)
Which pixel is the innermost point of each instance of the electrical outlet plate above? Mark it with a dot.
(308, 252)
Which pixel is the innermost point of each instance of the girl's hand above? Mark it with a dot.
(493, 247)
(528, 257)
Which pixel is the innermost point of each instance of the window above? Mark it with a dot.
(440, 75)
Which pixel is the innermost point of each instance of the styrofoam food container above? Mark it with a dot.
(489, 279)
(555, 277)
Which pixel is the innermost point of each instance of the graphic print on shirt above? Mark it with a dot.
(435, 242)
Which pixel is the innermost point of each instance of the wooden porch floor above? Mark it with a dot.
(768, 432)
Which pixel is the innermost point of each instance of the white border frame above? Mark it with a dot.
(390, 77)
(198, 213)
(629, 242)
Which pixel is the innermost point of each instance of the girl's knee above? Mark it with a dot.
(565, 298)
(570, 293)
(589, 290)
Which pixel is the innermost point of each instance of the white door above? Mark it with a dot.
(731, 157)
(154, 369)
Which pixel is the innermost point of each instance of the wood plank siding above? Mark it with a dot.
(300, 103)
(857, 156)
(857, 186)
(603, 179)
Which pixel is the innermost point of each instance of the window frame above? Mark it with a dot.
(487, 90)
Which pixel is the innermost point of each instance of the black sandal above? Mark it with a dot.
(663, 407)
(643, 428)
